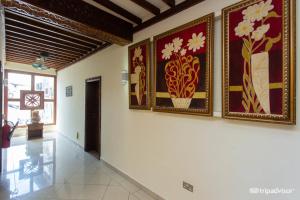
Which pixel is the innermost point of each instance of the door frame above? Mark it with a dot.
(89, 80)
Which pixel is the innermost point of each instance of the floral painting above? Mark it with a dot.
(257, 61)
(139, 75)
(183, 68)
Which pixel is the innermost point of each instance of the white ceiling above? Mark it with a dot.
(134, 8)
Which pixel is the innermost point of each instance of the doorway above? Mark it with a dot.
(92, 143)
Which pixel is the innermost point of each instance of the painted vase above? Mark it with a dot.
(260, 79)
(182, 79)
(181, 102)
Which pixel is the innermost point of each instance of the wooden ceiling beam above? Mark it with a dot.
(76, 15)
(45, 41)
(54, 27)
(172, 11)
(119, 10)
(36, 54)
(28, 48)
(29, 61)
(47, 36)
(22, 61)
(47, 30)
(32, 46)
(24, 40)
(170, 3)
(147, 6)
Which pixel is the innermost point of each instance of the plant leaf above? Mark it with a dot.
(269, 45)
(247, 43)
(272, 14)
(246, 54)
(276, 39)
(272, 41)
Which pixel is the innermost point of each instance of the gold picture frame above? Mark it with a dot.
(200, 100)
(279, 105)
(139, 59)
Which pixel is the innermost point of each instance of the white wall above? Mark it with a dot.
(221, 158)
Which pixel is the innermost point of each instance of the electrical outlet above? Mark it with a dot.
(188, 186)
(77, 135)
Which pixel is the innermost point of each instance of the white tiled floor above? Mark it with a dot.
(55, 168)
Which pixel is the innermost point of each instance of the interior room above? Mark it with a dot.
(149, 100)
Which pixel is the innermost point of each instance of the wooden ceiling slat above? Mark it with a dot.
(42, 44)
(53, 27)
(47, 36)
(28, 48)
(18, 52)
(170, 3)
(8, 32)
(32, 46)
(67, 32)
(48, 31)
(119, 10)
(82, 12)
(172, 11)
(147, 6)
(29, 62)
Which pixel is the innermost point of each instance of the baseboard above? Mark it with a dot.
(145, 189)
(149, 192)
(70, 139)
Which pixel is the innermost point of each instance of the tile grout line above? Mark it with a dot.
(128, 178)
(106, 190)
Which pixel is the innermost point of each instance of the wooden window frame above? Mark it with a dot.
(32, 74)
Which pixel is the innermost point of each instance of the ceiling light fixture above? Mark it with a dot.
(40, 61)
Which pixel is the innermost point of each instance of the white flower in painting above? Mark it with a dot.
(138, 69)
(183, 52)
(258, 11)
(138, 54)
(141, 58)
(177, 42)
(259, 33)
(167, 51)
(196, 42)
(244, 28)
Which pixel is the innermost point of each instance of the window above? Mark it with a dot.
(29, 81)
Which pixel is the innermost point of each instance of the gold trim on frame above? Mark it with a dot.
(239, 88)
(208, 111)
(148, 77)
(289, 67)
(197, 95)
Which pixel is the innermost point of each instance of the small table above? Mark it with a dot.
(34, 130)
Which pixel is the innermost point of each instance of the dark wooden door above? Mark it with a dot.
(93, 116)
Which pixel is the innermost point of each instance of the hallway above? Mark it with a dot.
(56, 168)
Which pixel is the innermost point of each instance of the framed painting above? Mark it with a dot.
(69, 91)
(31, 100)
(259, 61)
(183, 68)
(139, 75)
